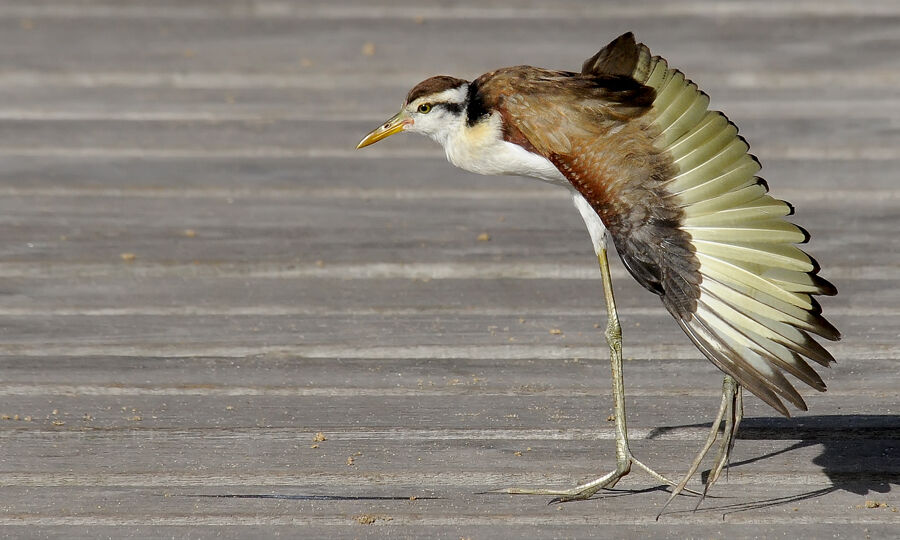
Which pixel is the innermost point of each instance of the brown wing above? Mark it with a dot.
(675, 186)
(591, 127)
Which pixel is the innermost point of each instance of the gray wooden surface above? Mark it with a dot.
(198, 273)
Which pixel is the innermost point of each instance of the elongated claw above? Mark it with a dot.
(731, 411)
(589, 489)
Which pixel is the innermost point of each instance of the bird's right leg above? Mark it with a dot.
(624, 458)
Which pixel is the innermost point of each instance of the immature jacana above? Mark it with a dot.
(674, 187)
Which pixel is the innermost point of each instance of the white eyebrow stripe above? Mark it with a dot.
(452, 95)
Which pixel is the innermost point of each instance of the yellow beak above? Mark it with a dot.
(395, 124)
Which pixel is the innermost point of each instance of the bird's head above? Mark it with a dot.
(435, 107)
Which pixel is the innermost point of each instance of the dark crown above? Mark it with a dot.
(434, 85)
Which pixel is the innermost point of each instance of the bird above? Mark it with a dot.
(672, 185)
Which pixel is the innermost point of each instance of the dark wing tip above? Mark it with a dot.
(729, 361)
(791, 209)
(619, 57)
(826, 288)
(806, 235)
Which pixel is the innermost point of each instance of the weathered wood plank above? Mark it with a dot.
(401, 178)
(443, 465)
(489, 9)
(337, 231)
(459, 507)
(288, 376)
(409, 527)
(387, 525)
(324, 289)
(380, 338)
(321, 295)
(372, 103)
(280, 45)
(829, 137)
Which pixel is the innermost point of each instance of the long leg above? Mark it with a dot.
(624, 458)
(731, 411)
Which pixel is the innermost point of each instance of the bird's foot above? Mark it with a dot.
(730, 414)
(589, 489)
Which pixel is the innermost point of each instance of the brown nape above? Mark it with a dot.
(433, 85)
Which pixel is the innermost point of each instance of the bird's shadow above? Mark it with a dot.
(859, 453)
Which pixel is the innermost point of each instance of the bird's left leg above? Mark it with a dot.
(731, 411)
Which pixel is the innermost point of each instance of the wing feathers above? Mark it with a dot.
(709, 125)
(693, 113)
(725, 201)
(620, 57)
(763, 232)
(679, 193)
(701, 184)
(723, 171)
(669, 94)
(716, 347)
(763, 208)
(755, 358)
(737, 274)
(770, 308)
(754, 309)
(800, 281)
(780, 256)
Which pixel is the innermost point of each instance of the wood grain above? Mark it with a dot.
(198, 274)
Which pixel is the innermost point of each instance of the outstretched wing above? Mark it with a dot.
(677, 189)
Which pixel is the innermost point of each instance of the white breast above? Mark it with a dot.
(481, 149)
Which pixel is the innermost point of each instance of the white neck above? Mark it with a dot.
(481, 149)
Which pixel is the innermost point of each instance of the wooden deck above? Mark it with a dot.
(198, 274)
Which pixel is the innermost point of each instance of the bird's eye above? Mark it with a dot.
(425, 108)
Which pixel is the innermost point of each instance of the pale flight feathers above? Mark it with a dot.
(755, 312)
